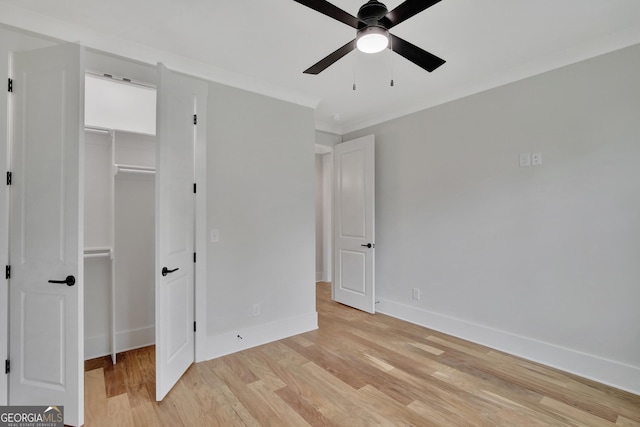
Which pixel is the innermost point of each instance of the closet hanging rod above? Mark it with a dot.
(98, 255)
(106, 249)
(97, 130)
(98, 252)
(134, 169)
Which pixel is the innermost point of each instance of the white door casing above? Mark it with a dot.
(354, 224)
(46, 230)
(4, 249)
(179, 99)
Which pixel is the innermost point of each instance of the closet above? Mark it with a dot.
(119, 233)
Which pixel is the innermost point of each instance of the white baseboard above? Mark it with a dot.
(97, 346)
(135, 338)
(100, 345)
(228, 342)
(615, 374)
(321, 276)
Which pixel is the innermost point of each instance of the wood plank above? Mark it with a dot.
(575, 414)
(357, 369)
(118, 412)
(225, 399)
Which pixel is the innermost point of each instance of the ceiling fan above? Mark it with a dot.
(372, 31)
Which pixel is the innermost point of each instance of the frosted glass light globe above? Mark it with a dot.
(372, 40)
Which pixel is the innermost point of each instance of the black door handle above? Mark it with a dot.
(368, 245)
(69, 281)
(166, 271)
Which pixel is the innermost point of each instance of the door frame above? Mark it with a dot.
(5, 163)
(200, 241)
(367, 143)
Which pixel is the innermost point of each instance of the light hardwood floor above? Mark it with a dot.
(355, 370)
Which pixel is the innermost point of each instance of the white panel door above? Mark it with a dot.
(179, 99)
(354, 224)
(46, 319)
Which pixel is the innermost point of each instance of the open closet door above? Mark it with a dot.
(354, 224)
(179, 100)
(46, 284)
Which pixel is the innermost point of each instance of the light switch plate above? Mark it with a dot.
(215, 235)
(525, 160)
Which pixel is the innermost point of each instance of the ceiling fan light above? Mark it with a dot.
(372, 39)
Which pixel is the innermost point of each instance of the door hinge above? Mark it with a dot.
(194, 326)
(194, 188)
(7, 272)
(194, 257)
(195, 118)
(7, 366)
(9, 176)
(10, 85)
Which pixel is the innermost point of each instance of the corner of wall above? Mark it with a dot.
(244, 338)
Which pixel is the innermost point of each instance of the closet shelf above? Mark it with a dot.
(134, 169)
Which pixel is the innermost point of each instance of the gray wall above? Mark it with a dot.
(541, 261)
(260, 192)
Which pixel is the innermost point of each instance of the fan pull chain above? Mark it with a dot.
(391, 59)
(354, 69)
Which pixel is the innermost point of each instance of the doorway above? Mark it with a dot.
(345, 221)
(119, 234)
(323, 210)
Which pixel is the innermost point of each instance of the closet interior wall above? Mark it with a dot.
(119, 241)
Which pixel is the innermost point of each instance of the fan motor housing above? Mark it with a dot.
(371, 12)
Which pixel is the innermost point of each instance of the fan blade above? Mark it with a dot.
(331, 11)
(329, 60)
(405, 11)
(414, 54)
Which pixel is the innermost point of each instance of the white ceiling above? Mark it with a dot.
(265, 45)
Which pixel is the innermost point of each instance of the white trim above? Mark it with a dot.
(200, 224)
(609, 372)
(99, 345)
(135, 338)
(5, 164)
(322, 149)
(228, 342)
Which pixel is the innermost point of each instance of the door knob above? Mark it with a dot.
(368, 245)
(69, 281)
(166, 271)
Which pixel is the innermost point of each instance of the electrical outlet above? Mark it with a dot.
(256, 310)
(536, 159)
(415, 294)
